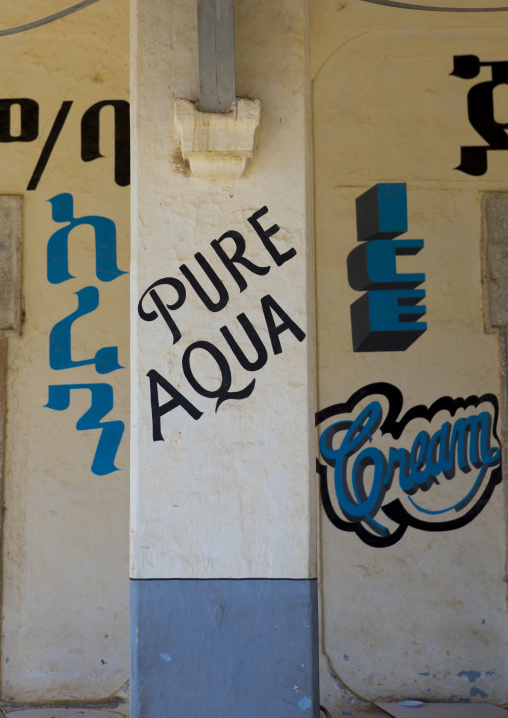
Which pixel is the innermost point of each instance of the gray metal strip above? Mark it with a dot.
(216, 38)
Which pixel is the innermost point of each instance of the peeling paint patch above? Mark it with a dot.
(477, 692)
(471, 676)
(166, 657)
(304, 704)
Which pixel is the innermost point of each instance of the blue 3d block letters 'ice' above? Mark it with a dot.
(386, 317)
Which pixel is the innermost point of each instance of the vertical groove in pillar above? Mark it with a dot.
(495, 294)
(11, 235)
(3, 416)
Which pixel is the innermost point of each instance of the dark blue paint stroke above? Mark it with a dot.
(472, 676)
(463, 502)
(105, 360)
(59, 397)
(62, 207)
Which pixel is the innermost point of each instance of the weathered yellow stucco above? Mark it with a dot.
(65, 531)
(414, 619)
(423, 618)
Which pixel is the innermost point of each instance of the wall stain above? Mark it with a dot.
(471, 676)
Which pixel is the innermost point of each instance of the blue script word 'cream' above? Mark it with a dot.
(433, 469)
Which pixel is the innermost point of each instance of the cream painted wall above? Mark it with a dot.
(425, 617)
(65, 565)
(413, 619)
(228, 495)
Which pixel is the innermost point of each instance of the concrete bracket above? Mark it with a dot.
(217, 144)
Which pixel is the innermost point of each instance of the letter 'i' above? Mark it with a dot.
(385, 318)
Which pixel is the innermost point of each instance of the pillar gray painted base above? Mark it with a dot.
(238, 648)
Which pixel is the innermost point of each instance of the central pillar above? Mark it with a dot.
(223, 565)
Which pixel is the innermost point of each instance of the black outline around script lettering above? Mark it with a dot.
(395, 510)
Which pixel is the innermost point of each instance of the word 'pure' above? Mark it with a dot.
(230, 262)
(230, 249)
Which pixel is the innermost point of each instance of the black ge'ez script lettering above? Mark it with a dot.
(90, 133)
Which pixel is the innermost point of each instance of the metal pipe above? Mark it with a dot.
(216, 40)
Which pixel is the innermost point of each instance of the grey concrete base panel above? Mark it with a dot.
(65, 712)
(238, 648)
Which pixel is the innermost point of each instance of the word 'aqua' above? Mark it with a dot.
(277, 321)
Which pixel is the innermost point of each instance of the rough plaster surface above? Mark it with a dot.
(495, 252)
(335, 696)
(65, 552)
(425, 618)
(3, 408)
(230, 495)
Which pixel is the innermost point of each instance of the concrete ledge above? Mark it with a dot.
(217, 145)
